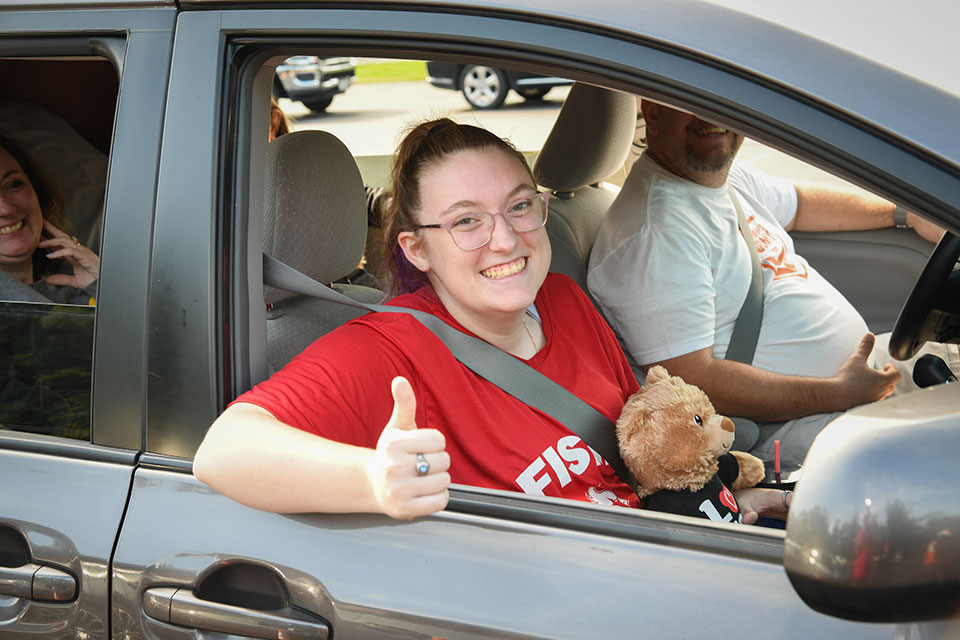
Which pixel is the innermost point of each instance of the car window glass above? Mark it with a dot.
(58, 147)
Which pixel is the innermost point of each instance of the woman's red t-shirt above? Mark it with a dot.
(339, 388)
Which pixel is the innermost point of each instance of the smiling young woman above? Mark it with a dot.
(378, 415)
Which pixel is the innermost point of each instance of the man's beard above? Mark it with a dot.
(717, 162)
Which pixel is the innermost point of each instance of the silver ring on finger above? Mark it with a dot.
(423, 467)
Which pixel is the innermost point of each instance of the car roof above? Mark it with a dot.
(922, 35)
(919, 41)
(79, 4)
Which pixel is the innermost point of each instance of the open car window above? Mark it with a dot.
(369, 117)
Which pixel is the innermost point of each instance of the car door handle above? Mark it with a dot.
(180, 607)
(37, 582)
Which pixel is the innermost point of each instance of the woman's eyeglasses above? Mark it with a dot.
(471, 231)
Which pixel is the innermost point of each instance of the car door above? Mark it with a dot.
(85, 87)
(190, 562)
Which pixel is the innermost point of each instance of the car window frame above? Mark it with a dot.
(136, 42)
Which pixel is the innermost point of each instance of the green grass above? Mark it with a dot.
(394, 71)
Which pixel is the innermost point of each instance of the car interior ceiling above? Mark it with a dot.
(56, 85)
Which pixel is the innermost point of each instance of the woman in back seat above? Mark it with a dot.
(378, 415)
(33, 248)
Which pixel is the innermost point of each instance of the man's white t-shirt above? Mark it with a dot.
(670, 271)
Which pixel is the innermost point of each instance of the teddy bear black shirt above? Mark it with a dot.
(714, 501)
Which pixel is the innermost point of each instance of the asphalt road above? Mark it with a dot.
(371, 118)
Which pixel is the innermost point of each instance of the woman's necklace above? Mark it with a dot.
(529, 335)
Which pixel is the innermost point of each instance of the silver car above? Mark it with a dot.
(104, 531)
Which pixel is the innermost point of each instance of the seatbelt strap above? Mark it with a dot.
(746, 330)
(494, 365)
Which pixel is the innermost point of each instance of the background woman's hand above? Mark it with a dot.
(86, 264)
(399, 490)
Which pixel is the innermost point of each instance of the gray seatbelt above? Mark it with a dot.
(512, 376)
(746, 330)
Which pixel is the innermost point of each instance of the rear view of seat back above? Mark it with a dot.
(589, 142)
(314, 220)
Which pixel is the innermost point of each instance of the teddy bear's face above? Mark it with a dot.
(670, 435)
(719, 433)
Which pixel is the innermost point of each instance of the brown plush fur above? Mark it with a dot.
(751, 470)
(664, 447)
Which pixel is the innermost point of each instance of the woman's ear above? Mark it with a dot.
(412, 247)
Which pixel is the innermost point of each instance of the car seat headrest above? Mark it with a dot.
(314, 213)
(590, 139)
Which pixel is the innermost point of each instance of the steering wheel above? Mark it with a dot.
(914, 324)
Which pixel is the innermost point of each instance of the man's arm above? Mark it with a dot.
(827, 208)
(743, 390)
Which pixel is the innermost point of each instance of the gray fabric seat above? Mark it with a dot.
(589, 142)
(315, 220)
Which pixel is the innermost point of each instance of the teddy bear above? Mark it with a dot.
(678, 448)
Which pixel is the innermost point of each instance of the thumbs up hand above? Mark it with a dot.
(408, 471)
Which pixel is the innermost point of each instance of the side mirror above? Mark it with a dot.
(874, 527)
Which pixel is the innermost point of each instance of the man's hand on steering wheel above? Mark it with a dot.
(911, 329)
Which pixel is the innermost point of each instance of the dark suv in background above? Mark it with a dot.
(313, 81)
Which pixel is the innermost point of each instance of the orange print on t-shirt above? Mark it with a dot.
(773, 254)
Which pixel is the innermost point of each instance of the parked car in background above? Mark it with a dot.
(486, 87)
(106, 533)
(314, 81)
